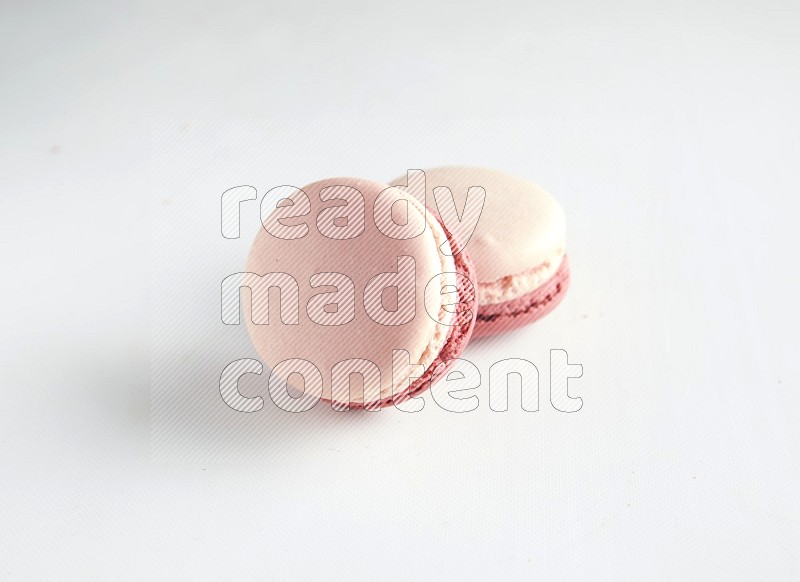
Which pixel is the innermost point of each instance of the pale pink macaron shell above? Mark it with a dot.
(360, 259)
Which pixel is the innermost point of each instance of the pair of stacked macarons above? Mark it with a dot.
(396, 278)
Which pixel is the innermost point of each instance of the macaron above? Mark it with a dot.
(518, 245)
(376, 299)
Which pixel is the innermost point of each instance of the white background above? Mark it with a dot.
(669, 132)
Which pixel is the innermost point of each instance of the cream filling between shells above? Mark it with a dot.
(513, 286)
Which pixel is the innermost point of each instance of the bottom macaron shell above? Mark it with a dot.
(502, 317)
(457, 337)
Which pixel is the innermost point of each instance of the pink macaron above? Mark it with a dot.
(376, 299)
(517, 242)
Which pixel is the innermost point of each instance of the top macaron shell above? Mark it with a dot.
(521, 229)
(360, 258)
